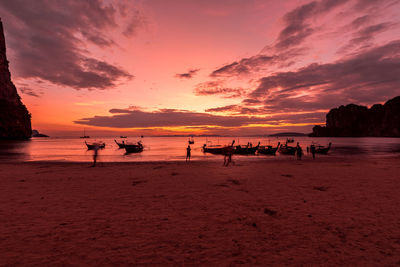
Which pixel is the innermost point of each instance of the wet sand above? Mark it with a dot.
(276, 212)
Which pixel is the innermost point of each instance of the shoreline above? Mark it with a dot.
(161, 149)
(219, 158)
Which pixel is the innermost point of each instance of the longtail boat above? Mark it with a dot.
(322, 149)
(84, 135)
(134, 148)
(217, 149)
(120, 145)
(247, 149)
(287, 150)
(92, 146)
(268, 150)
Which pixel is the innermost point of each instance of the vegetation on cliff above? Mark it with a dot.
(360, 121)
(15, 120)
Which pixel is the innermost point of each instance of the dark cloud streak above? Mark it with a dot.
(28, 91)
(178, 118)
(364, 36)
(297, 26)
(218, 88)
(369, 77)
(256, 63)
(48, 39)
(165, 118)
(187, 75)
(244, 66)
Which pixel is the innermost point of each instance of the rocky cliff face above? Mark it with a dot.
(15, 120)
(359, 121)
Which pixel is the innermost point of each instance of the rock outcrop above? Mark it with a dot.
(359, 121)
(35, 133)
(15, 120)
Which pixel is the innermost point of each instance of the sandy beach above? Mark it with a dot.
(330, 211)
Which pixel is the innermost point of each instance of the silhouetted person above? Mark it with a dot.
(312, 150)
(299, 151)
(188, 149)
(225, 157)
(95, 154)
(228, 154)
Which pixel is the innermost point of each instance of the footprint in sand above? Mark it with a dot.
(221, 185)
(234, 181)
(320, 188)
(270, 212)
(135, 183)
(158, 167)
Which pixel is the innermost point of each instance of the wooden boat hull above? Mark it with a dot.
(214, 150)
(287, 150)
(120, 145)
(92, 146)
(218, 149)
(133, 148)
(245, 150)
(268, 150)
(322, 150)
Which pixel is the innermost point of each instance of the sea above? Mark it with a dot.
(73, 149)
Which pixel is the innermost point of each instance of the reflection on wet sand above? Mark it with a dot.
(350, 150)
(14, 150)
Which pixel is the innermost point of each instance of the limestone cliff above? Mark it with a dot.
(15, 120)
(359, 121)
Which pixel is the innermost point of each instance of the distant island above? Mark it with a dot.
(35, 133)
(288, 134)
(360, 121)
(190, 135)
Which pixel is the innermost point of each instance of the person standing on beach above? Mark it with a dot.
(228, 155)
(188, 149)
(299, 151)
(312, 149)
(95, 154)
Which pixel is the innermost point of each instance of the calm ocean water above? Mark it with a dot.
(174, 148)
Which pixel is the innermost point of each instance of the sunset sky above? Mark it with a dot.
(199, 66)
